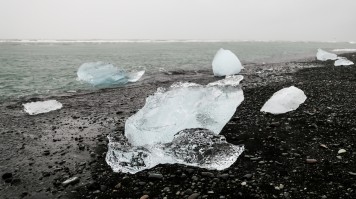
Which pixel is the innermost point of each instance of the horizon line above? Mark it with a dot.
(153, 41)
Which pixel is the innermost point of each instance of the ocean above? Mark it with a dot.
(49, 68)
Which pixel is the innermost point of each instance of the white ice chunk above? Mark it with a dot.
(323, 55)
(226, 63)
(34, 108)
(284, 100)
(134, 76)
(100, 73)
(182, 106)
(342, 61)
(193, 147)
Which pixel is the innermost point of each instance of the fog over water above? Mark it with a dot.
(292, 20)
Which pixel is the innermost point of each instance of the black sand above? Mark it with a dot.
(39, 152)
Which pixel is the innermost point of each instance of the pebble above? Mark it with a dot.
(195, 178)
(281, 186)
(194, 196)
(155, 176)
(208, 174)
(188, 192)
(243, 183)
(352, 173)
(103, 188)
(145, 197)
(118, 186)
(46, 152)
(311, 161)
(72, 180)
(248, 176)
(224, 176)
(341, 151)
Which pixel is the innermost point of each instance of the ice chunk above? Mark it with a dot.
(34, 108)
(100, 73)
(226, 63)
(182, 106)
(134, 76)
(342, 61)
(193, 147)
(323, 55)
(284, 100)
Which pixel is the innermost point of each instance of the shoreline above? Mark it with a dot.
(44, 150)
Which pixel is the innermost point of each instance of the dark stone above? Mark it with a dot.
(156, 176)
(188, 192)
(208, 174)
(6, 176)
(194, 196)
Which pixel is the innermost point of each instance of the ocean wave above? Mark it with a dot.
(344, 50)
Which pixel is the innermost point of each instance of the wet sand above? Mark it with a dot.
(40, 152)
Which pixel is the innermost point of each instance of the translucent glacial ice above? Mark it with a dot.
(322, 55)
(342, 61)
(184, 106)
(34, 108)
(100, 73)
(226, 63)
(193, 147)
(284, 100)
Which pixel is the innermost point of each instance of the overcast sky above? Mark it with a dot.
(302, 20)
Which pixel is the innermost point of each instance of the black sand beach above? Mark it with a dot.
(293, 155)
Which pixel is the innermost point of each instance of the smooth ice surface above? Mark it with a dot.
(284, 100)
(182, 106)
(226, 63)
(100, 73)
(193, 147)
(323, 55)
(342, 61)
(34, 108)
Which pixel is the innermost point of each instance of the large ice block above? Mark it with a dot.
(284, 100)
(323, 55)
(342, 61)
(34, 108)
(226, 63)
(194, 147)
(100, 73)
(182, 106)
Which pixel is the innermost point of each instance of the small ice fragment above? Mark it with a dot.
(284, 100)
(226, 63)
(342, 61)
(134, 76)
(100, 73)
(193, 147)
(323, 55)
(182, 106)
(233, 80)
(34, 108)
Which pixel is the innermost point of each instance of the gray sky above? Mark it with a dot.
(302, 20)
